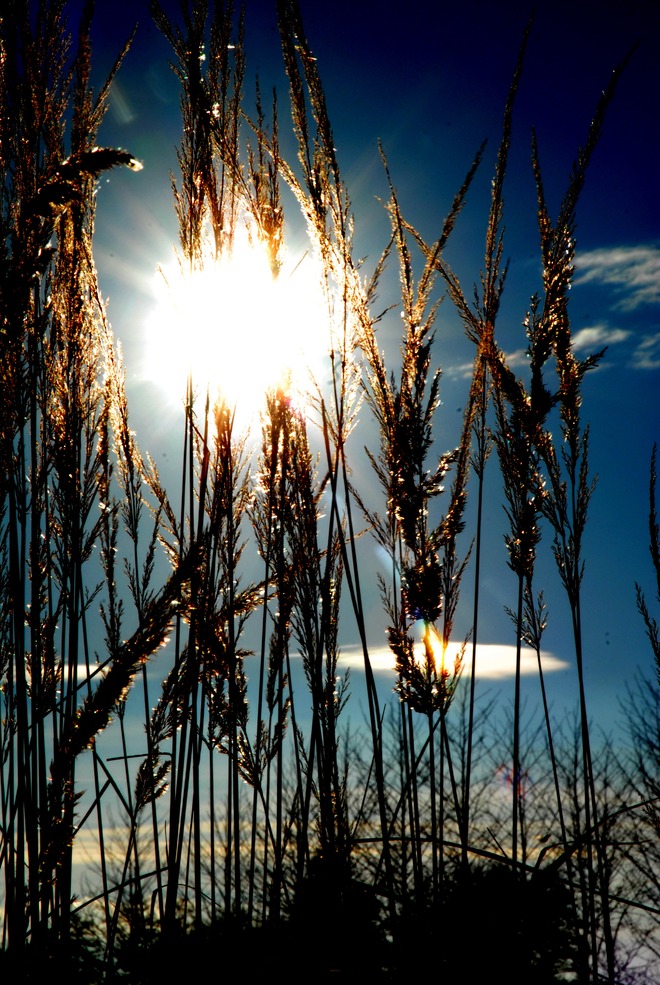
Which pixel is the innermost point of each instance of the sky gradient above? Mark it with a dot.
(429, 81)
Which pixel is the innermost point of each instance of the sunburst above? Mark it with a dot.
(237, 330)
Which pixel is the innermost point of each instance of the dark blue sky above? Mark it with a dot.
(429, 80)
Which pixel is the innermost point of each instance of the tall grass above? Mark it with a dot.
(64, 670)
(247, 807)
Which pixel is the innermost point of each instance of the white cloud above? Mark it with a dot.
(597, 336)
(633, 271)
(495, 661)
(517, 358)
(591, 339)
(647, 353)
(462, 371)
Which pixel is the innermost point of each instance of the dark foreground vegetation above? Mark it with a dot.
(262, 837)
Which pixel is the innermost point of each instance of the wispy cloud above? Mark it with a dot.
(591, 339)
(120, 105)
(598, 336)
(517, 358)
(495, 661)
(633, 272)
(461, 371)
(647, 352)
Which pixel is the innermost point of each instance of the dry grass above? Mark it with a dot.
(246, 802)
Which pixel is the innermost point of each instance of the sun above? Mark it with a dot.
(236, 330)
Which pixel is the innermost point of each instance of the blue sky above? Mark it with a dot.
(430, 80)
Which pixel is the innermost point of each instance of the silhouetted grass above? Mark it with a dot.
(247, 824)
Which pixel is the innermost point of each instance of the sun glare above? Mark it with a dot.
(429, 646)
(237, 330)
(495, 661)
